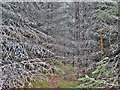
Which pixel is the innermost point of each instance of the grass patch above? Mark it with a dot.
(58, 63)
(59, 71)
(67, 77)
(62, 69)
(38, 83)
(67, 84)
(68, 65)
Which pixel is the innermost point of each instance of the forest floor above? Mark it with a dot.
(65, 76)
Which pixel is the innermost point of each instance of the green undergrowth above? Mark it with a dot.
(67, 77)
(62, 69)
(102, 77)
(67, 84)
(38, 83)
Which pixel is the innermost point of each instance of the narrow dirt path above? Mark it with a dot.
(65, 76)
(53, 81)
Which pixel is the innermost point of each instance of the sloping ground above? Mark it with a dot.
(25, 54)
(29, 56)
(21, 58)
(63, 76)
(25, 49)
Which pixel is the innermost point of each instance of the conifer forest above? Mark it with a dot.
(60, 44)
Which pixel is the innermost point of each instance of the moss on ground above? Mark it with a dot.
(59, 71)
(38, 83)
(67, 84)
(67, 77)
(58, 63)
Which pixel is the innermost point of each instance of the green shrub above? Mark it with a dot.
(104, 78)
